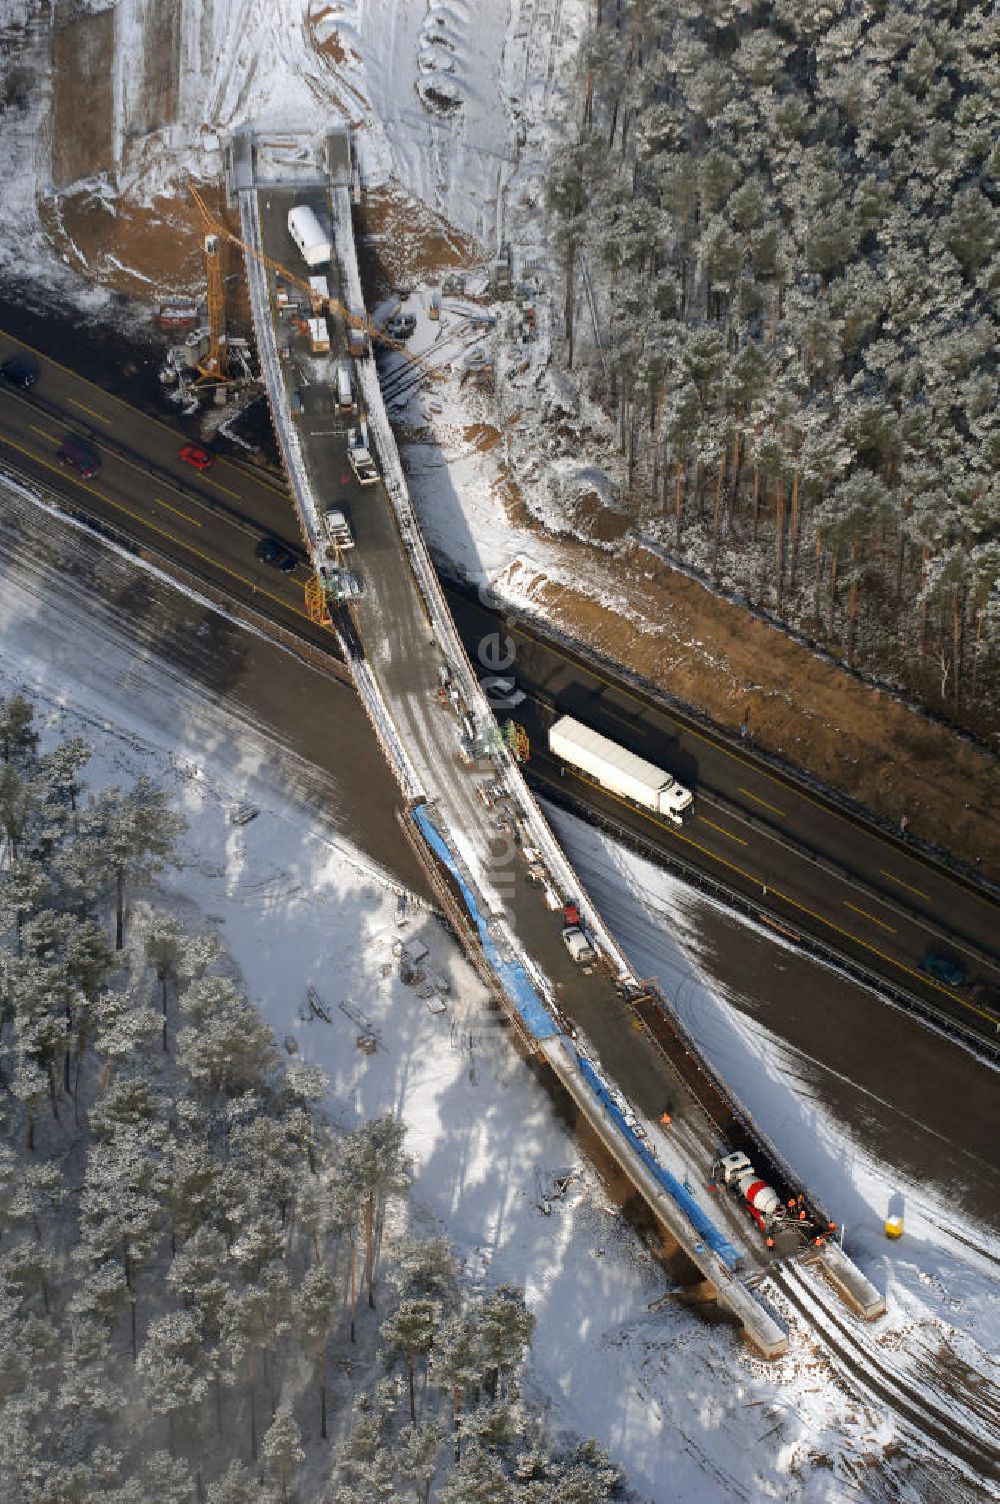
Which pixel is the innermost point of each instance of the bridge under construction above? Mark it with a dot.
(605, 1035)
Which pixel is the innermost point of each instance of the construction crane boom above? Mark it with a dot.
(217, 361)
(217, 228)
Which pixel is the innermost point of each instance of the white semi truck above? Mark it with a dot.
(617, 769)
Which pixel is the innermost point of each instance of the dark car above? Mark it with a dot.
(944, 969)
(20, 371)
(270, 551)
(401, 327)
(79, 455)
(199, 458)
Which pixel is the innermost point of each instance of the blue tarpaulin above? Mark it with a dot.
(511, 974)
(539, 1020)
(699, 1219)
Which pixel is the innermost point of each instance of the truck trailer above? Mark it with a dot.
(305, 229)
(618, 770)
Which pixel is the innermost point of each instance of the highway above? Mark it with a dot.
(209, 522)
(775, 845)
(784, 850)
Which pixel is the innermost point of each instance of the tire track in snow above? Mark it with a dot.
(934, 1418)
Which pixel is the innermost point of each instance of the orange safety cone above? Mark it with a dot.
(666, 1119)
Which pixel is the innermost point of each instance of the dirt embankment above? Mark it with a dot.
(715, 656)
(662, 625)
(727, 663)
(409, 242)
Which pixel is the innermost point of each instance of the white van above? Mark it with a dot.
(345, 387)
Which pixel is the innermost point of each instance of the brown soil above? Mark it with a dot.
(590, 518)
(153, 252)
(82, 94)
(156, 105)
(412, 243)
(483, 435)
(331, 43)
(717, 657)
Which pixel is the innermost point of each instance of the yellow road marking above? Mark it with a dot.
(126, 406)
(736, 757)
(900, 883)
(793, 903)
(120, 506)
(758, 800)
(208, 481)
(616, 715)
(158, 501)
(85, 409)
(739, 839)
(45, 435)
(865, 914)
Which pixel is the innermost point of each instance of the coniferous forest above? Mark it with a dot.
(206, 1291)
(778, 229)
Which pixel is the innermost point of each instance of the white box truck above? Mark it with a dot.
(312, 242)
(578, 945)
(337, 528)
(345, 388)
(618, 770)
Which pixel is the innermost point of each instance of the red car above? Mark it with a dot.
(191, 455)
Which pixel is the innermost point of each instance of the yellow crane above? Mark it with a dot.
(215, 366)
(217, 230)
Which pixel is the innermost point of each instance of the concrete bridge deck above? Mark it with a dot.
(406, 636)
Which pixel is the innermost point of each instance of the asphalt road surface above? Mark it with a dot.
(817, 1012)
(208, 521)
(779, 846)
(785, 851)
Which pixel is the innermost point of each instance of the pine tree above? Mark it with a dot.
(282, 1451)
(170, 1362)
(23, 887)
(168, 1479)
(505, 1329)
(120, 1210)
(375, 1164)
(138, 833)
(58, 772)
(15, 806)
(316, 1306)
(163, 946)
(478, 1478)
(225, 1045)
(456, 1362)
(236, 1486)
(18, 737)
(417, 1449)
(410, 1332)
(243, 1322)
(426, 1268)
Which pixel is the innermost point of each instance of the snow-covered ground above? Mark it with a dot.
(678, 1402)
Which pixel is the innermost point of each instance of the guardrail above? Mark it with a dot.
(979, 1044)
(288, 442)
(440, 616)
